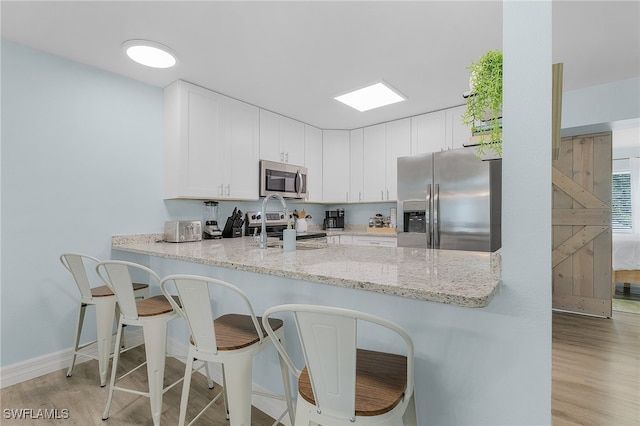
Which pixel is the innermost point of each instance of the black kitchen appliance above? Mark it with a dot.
(275, 224)
(334, 219)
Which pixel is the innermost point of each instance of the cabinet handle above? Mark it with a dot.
(220, 190)
(360, 196)
(347, 196)
(282, 156)
(286, 157)
(229, 190)
(387, 194)
(382, 195)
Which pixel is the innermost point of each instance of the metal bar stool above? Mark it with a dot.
(232, 340)
(152, 314)
(342, 384)
(105, 302)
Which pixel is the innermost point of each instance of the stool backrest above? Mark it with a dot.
(75, 263)
(195, 298)
(328, 339)
(116, 274)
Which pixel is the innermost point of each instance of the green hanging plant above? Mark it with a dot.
(484, 103)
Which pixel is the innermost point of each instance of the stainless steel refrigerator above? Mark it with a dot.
(449, 200)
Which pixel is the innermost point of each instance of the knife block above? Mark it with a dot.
(230, 231)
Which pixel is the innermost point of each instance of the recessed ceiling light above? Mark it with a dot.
(370, 97)
(150, 53)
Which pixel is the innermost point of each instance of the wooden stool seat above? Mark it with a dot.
(156, 305)
(236, 331)
(104, 291)
(381, 380)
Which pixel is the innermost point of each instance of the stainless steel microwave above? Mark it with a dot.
(284, 179)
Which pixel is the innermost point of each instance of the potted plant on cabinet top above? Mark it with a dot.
(484, 103)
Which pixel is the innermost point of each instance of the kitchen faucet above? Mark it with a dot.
(263, 217)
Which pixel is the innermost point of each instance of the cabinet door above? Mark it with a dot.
(428, 132)
(242, 151)
(375, 241)
(356, 161)
(374, 184)
(270, 136)
(458, 134)
(346, 239)
(335, 164)
(398, 145)
(292, 141)
(333, 239)
(281, 138)
(192, 142)
(313, 162)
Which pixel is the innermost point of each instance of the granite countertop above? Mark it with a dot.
(462, 278)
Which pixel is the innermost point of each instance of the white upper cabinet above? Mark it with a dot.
(439, 130)
(374, 184)
(458, 134)
(428, 132)
(398, 145)
(313, 162)
(281, 139)
(211, 145)
(383, 144)
(241, 150)
(356, 165)
(335, 163)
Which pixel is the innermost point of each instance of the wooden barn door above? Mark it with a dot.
(581, 222)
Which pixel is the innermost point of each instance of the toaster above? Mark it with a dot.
(182, 231)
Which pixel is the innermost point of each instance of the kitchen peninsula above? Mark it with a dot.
(468, 279)
(450, 302)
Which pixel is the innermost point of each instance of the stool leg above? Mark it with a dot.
(105, 312)
(410, 416)
(114, 367)
(155, 342)
(76, 343)
(285, 381)
(224, 392)
(186, 386)
(240, 371)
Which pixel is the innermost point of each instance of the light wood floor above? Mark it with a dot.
(85, 400)
(596, 381)
(596, 370)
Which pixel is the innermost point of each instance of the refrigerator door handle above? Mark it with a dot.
(428, 219)
(436, 210)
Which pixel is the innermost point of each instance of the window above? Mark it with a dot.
(621, 214)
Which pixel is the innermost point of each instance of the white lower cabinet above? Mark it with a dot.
(333, 239)
(374, 241)
(361, 240)
(211, 145)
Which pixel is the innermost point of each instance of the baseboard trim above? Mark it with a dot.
(36, 367)
(45, 364)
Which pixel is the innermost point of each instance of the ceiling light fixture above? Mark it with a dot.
(370, 97)
(150, 53)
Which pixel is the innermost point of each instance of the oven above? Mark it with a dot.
(276, 223)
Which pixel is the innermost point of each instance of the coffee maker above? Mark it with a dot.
(334, 219)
